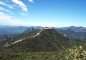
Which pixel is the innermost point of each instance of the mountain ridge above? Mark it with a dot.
(37, 34)
(46, 39)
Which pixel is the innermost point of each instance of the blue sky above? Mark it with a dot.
(56, 13)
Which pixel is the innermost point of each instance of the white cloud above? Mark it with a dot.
(7, 5)
(30, 0)
(21, 4)
(3, 9)
(10, 20)
(24, 14)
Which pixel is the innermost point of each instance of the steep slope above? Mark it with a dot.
(38, 40)
(26, 35)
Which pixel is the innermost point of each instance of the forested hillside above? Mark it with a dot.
(42, 44)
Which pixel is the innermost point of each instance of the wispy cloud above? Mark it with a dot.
(11, 20)
(7, 5)
(3, 9)
(31, 1)
(21, 4)
(8, 13)
(24, 14)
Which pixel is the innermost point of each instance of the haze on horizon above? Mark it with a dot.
(56, 13)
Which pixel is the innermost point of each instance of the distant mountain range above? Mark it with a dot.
(9, 31)
(76, 29)
(73, 32)
(13, 30)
